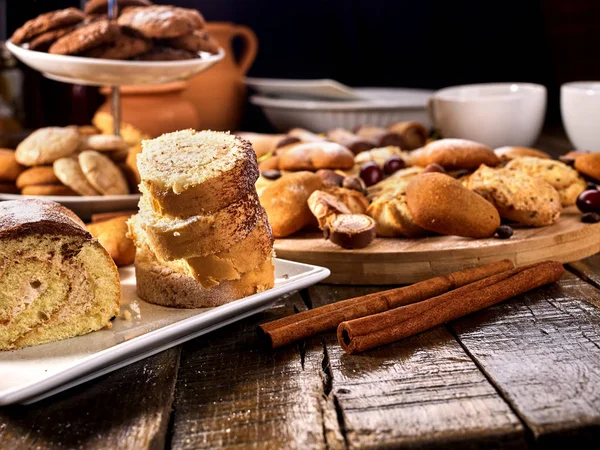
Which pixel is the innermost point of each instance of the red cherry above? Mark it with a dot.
(371, 173)
(589, 201)
(393, 164)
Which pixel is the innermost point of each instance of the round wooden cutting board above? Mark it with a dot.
(404, 261)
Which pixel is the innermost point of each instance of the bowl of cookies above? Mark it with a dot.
(146, 44)
(75, 166)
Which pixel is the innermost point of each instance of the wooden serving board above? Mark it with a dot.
(404, 261)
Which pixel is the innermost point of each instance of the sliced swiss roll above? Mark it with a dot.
(56, 281)
(189, 173)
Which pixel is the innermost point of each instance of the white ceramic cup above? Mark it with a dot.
(580, 110)
(495, 114)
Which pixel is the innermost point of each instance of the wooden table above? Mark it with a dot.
(525, 373)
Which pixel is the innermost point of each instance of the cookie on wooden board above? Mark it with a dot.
(9, 167)
(101, 6)
(46, 22)
(86, 38)
(58, 190)
(46, 145)
(69, 172)
(37, 176)
(102, 173)
(162, 22)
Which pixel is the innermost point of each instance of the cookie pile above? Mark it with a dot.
(67, 161)
(202, 237)
(143, 32)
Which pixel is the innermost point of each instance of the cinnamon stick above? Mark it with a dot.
(373, 331)
(325, 318)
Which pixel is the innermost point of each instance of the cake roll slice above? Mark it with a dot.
(56, 280)
(189, 173)
(227, 265)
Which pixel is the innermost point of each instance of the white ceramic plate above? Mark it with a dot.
(110, 72)
(379, 106)
(85, 206)
(33, 373)
(324, 88)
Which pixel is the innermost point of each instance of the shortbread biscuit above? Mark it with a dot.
(37, 176)
(563, 178)
(46, 145)
(103, 143)
(198, 41)
(509, 153)
(10, 169)
(57, 190)
(517, 196)
(46, 22)
(86, 38)
(589, 164)
(69, 172)
(43, 42)
(162, 22)
(101, 6)
(104, 176)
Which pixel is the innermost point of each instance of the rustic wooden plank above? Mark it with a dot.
(126, 409)
(542, 352)
(231, 393)
(421, 392)
(589, 270)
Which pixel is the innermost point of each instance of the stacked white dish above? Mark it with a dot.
(321, 105)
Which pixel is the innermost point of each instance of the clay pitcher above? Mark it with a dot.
(219, 93)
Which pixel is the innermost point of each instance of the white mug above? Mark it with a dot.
(580, 110)
(494, 114)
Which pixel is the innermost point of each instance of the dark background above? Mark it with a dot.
(426, 44)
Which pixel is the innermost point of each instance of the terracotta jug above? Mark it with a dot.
(219, 93)
(155, 110)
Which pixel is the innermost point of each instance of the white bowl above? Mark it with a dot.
(381, 107)
(495, 114)
(111, 72)
(580, 110)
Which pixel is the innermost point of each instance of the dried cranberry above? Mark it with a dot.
(589, 201)
(371, 173)
(393, 164)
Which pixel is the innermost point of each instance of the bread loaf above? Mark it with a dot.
(453, 154)
(56, 281)
(439, 203)
(285, 202)
(189, 173)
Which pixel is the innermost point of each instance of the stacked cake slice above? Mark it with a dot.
(202, 237)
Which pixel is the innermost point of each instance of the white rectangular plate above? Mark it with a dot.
(33, 373)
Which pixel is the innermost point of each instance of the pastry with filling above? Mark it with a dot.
(56, 280)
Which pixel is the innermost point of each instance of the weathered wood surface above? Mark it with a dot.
(422, 391)
(233, 394)
(542, 352)
(126, 409)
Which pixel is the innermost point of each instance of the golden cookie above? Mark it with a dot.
(9, 167)
(589, 164)
(518, 196)
(69, 172)
(161, 22)
(86, 38)
(102, 173)
(509, 153)
(563, 178)
(103, 143)
(46, 145)
(48, 190)
(37, 176)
